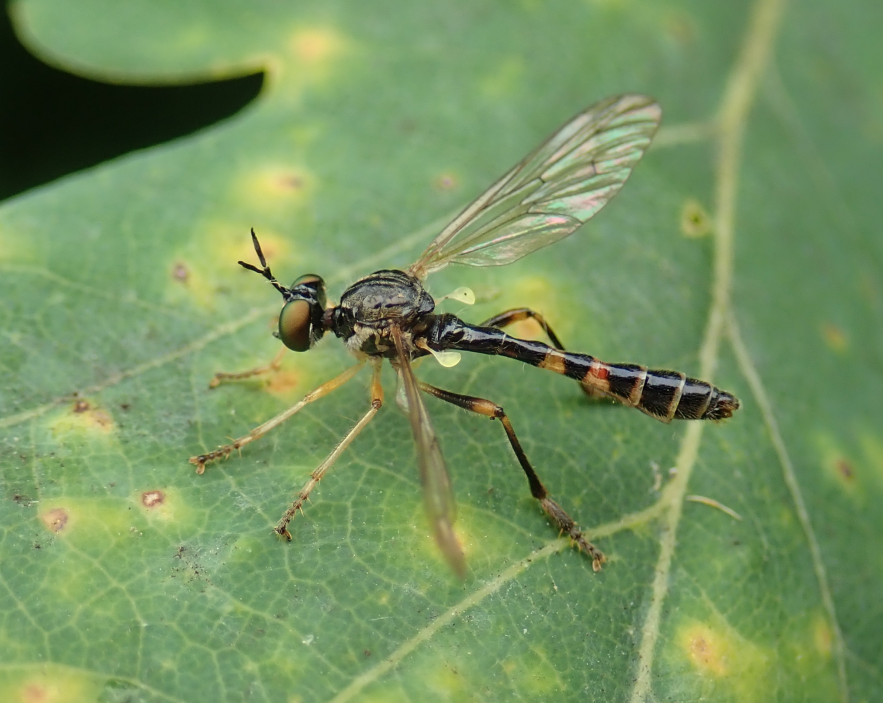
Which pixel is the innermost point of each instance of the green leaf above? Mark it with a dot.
(744, 248)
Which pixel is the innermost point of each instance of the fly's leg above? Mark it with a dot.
(537, 489)
(281, 529)
(259, 431)
(509, 317)
(274, 365)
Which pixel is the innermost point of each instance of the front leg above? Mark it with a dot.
(259, 431)
(272, 366)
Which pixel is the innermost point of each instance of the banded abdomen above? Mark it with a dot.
(665, 395)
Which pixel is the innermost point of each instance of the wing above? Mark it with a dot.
(556, 188)
(437, 494)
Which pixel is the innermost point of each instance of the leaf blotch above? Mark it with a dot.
(162, 505)
(695, 221)
(720, 653)
(152, 499)
(52, 685)
(844, 468)
(841, 465)
(283, 382)
(706, 649)
(55, 520)
(446, 182)
(539, 294)
(823, 637)
(85, 418)
(181, 273)
(317, 47)
(36, 693)
(679, 27)
(275, 186)
(834, 337)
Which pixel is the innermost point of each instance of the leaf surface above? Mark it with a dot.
(744, 249)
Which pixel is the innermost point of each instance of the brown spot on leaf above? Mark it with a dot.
(845, 469)
(695, 221)
(834, 337)
(317, 46)
(283, 382)
(35, 693)
(56, 519)
(704, 654)
(822, 637)
(680, 29)
(84, 416)
(290, 181)
(180, 272)
(446, 182)
(152, 499)
(708, 649)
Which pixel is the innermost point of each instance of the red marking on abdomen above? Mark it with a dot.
(599, 370)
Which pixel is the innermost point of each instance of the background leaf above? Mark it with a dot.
(124, 576)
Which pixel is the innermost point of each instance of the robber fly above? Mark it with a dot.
(390, 315)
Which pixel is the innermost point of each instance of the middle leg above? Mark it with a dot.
(537, 489)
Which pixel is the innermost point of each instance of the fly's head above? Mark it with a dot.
(300, 322)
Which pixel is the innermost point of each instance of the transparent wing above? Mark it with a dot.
(556, 188)
(437, 495)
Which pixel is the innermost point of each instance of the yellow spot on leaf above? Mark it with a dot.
(695, 221)
(152, 499)
(872, 446)
(839, 465)
(83, 417)
(180, 272)
(446, 181)
(156, 503)
(275, 185)
(822, 636)
(317, 46)
(504, 78)
(50, 684)
(55, 520)
(708, 650)
(283, 382)
(680, 28)
(212, 273)
(446, 680)
(725, 660)
(14, 247)
(834, 337)
(537, 293)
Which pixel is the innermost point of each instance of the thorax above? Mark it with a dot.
(372, 304)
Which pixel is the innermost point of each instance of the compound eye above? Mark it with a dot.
(307, 279)
(294, 325)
